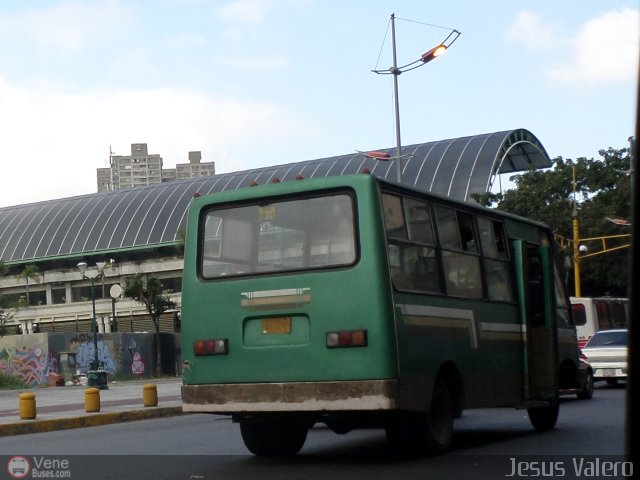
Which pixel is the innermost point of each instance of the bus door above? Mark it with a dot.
(537, 320)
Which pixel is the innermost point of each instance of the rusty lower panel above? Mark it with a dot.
(370, 395)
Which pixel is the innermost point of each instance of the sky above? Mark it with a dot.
(253, 83)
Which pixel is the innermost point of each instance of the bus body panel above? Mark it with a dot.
(475, 339)
(478, 347)
(309, 304)
(601, 313)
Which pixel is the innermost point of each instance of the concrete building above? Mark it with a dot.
(195, 167)
(141, 169)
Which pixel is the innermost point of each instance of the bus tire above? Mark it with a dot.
(253, 438)
(544, 418)
(427, 433)
(285, 438)
(274, 438)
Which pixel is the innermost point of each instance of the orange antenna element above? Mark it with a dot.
(378, 155)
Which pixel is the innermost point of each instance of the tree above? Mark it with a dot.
(603, 192)
(6, 313)
(30, 272)
(181, 235)
(151, 294)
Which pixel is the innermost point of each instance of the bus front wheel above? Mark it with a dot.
(275, 438)
(424, 433)
(544, 418)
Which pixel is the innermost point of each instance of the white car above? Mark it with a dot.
(607, 354)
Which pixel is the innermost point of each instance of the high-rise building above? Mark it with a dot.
(195, 167)
(141, 168)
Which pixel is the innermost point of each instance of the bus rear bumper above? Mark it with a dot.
(364, 395)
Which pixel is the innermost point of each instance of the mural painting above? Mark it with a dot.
(85, 354)
(137, 362)
(37, 357)
(116, 352)
(28, 360)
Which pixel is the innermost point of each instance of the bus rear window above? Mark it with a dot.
(286, 235)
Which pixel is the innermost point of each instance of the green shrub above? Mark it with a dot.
(9, 382)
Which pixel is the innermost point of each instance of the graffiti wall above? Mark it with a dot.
(26, 356)
(34, 357)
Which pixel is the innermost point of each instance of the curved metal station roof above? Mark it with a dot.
(150, 216)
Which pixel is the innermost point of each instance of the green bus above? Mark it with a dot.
(356, 302)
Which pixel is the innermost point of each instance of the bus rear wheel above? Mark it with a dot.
(427, 433)
(273, 438)
(544, 418)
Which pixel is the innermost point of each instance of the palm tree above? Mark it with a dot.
(30, 272)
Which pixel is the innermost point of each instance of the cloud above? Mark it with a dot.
(65, 25)
(244, 10)
(272, 63)
(53, 141)
(604, 49)
(530, 30)
(184, 41)
(254, 11)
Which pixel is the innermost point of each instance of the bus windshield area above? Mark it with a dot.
(292, 234)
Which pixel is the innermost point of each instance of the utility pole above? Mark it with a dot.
(576, 240)
(395, 72)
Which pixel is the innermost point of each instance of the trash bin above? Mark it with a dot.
(98, 379)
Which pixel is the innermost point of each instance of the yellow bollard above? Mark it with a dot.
(92, 400)
(27, 406)
(150, 395)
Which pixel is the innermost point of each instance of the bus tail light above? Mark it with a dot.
(347, 338)
(214, 346)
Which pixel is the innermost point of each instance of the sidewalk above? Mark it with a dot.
(59, 408)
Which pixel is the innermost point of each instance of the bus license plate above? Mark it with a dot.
(276, 325)
(608, 372)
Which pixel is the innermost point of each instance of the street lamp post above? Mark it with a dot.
(96, 377)
(114, 292)
(396, 103)
(395, 71)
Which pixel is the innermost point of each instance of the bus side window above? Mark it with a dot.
(604, 319)
(393, 216)
(419, 221)
(579, 314)
(495, 259)
(618, 315)
(536, 289)
(411, 246)
(460, 259)
(462, 274)
(562, 305)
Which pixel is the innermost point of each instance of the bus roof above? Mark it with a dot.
(304, 185)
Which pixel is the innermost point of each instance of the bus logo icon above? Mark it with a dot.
(18, 467)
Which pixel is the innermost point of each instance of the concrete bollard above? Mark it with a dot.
(150, 395)
(92, 400)
(27, 406)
